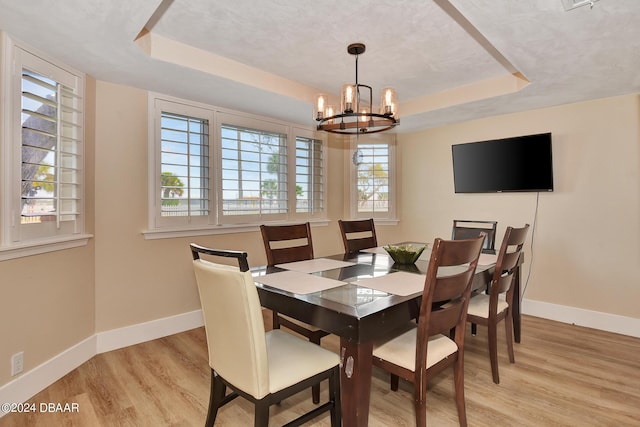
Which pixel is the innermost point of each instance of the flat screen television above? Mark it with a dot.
(521, 163)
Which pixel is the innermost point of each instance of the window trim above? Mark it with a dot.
(11, 246)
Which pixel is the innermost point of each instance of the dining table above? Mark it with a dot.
(358, 297)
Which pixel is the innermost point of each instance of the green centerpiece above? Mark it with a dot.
(405, 254)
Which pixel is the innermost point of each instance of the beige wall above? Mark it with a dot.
(44, 308)
(139, 280)
(121, 279)
(587, 235)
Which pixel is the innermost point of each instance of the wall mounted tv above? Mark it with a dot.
(521, 163)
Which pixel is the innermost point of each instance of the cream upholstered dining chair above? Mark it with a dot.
(263, 367)
(489, 309)
(420, 352)
(290, 243)
(358, 234)
(466, 229)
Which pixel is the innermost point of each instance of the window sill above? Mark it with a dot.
(170, 233)
(21, 250)
(378, 221)
(386, 221)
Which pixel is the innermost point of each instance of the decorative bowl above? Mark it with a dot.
(405, 254)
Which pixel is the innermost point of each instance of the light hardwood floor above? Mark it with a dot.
(564, 375)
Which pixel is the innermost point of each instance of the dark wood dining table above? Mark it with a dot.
(358, 315)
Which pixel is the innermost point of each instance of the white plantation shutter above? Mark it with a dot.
(309, 175)
(218, 171)
(51, 149)
(184, 180)
(254, 172)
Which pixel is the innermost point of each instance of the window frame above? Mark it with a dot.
(388, 139)
(15, 239)
(217, 223)
(156, 220)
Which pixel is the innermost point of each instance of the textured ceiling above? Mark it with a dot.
(450, 61)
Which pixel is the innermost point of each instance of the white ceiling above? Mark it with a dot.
(270, 57)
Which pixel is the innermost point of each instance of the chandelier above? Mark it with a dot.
(356, 114)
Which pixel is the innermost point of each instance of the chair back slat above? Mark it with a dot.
(358, 234)
(240, 256)
(450, 287)
(287, 243)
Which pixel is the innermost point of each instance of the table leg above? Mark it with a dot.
(355, 380)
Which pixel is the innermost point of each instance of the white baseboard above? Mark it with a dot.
(577, 316)
(147, 331)
(32, 382)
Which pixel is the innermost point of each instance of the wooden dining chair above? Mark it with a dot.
(489, 309)
(358, 234)
(290, 243)
(466, 229)
(420, 352)
(262, 367)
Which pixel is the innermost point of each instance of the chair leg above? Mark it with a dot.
(420, 401)
(474, 329)
(315, 393)
(493, 351)
(216, 395)
(315, 389)
(458, 378)
(335, 398)
(275, 323)
(508, 324)
(394, 382)
(261, 414)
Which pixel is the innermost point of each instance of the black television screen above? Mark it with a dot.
(521, 163)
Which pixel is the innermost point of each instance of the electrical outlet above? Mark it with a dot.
(17, 363)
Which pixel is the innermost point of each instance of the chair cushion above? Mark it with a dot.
(479, 306)
(292, 359)
(401, 350)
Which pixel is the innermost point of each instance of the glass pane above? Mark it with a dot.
(373, 178)
(184, 180)
(254, 172)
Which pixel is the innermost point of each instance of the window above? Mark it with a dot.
(216, 170)
(43, 179)
(373, 177)
(181, 181)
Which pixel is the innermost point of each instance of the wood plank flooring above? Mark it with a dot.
(564, 375)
